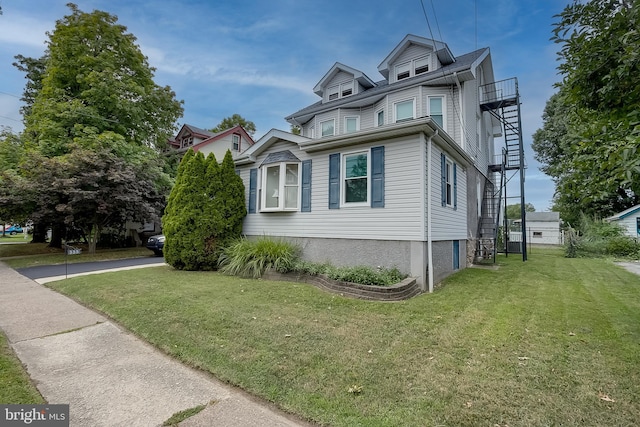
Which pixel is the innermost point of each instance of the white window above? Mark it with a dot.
(236, 142)
(403, 71)
(436, 104)
(328, 127)
(311, 133)
(280, 187)
(405, 110)
(448, 174)
(346, 89)
(380, 118)
(355, 179)
(340, 91)
(421, 65)
(351, 124)
(333, 92)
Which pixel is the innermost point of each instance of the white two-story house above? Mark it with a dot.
(384, 173)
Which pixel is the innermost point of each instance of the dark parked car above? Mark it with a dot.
(156, 243)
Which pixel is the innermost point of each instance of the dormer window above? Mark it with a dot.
(187, 141)
(333, 93)
(421, 65)
(340, 91)
(412, 68)
(403, 71)
(347, 89)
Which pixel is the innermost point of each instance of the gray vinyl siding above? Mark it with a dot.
(402, 217)
(404, 95)
(447, 223)
(340, 78)
(410, 53)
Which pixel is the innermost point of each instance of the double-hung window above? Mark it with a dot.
(355, 182)
(380, 118)
(328, 127)
(340, 90)
(449, 178)
(235, 138)
(405, 110)
(357, 179)
(403, 71)
(436, 109)
(280, 187)
(351, 124)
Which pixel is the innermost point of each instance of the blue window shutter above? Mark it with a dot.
(377, 177)
(306, 186)
(334, 181)
(455, 187)
(253, 184)
(443, 179)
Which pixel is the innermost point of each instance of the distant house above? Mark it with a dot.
(629, 220)
(544, 228)
(235, 139)
(388, 173)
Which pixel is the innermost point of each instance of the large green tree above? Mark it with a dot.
(514, 211)
(235, 120)
(591, 134)
(93, 89)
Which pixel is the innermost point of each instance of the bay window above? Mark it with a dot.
(280, 187)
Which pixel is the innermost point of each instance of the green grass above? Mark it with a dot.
(178, 417)
(15, 384)
(33, 254)
(530, 344)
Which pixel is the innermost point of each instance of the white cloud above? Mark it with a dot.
(21, 30)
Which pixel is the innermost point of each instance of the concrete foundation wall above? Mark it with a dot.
(409, 257)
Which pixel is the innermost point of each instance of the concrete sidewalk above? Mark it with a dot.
(108, 376)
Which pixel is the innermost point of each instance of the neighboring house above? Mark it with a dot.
(629, 220)
(389, 173)
(235, 139)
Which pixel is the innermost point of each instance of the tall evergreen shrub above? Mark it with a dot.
(204, 213)
(184, 246)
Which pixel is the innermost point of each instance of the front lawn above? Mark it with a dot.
(15, 384)
(552, 341)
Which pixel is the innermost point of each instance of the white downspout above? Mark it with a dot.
(429, 209)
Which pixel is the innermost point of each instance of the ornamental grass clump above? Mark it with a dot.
(251, 258)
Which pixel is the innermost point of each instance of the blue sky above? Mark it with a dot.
(261, 59)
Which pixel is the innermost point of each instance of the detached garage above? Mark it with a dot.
(544, 228)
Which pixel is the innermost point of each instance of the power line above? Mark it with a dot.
(9, 118)
(10, 94)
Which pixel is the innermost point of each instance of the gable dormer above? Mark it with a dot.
(415, 56)
(342, 81)
(189, 136)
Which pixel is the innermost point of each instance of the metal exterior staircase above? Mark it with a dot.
(502, 100)
(489, 223)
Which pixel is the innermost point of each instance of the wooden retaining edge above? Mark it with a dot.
(403, 290)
